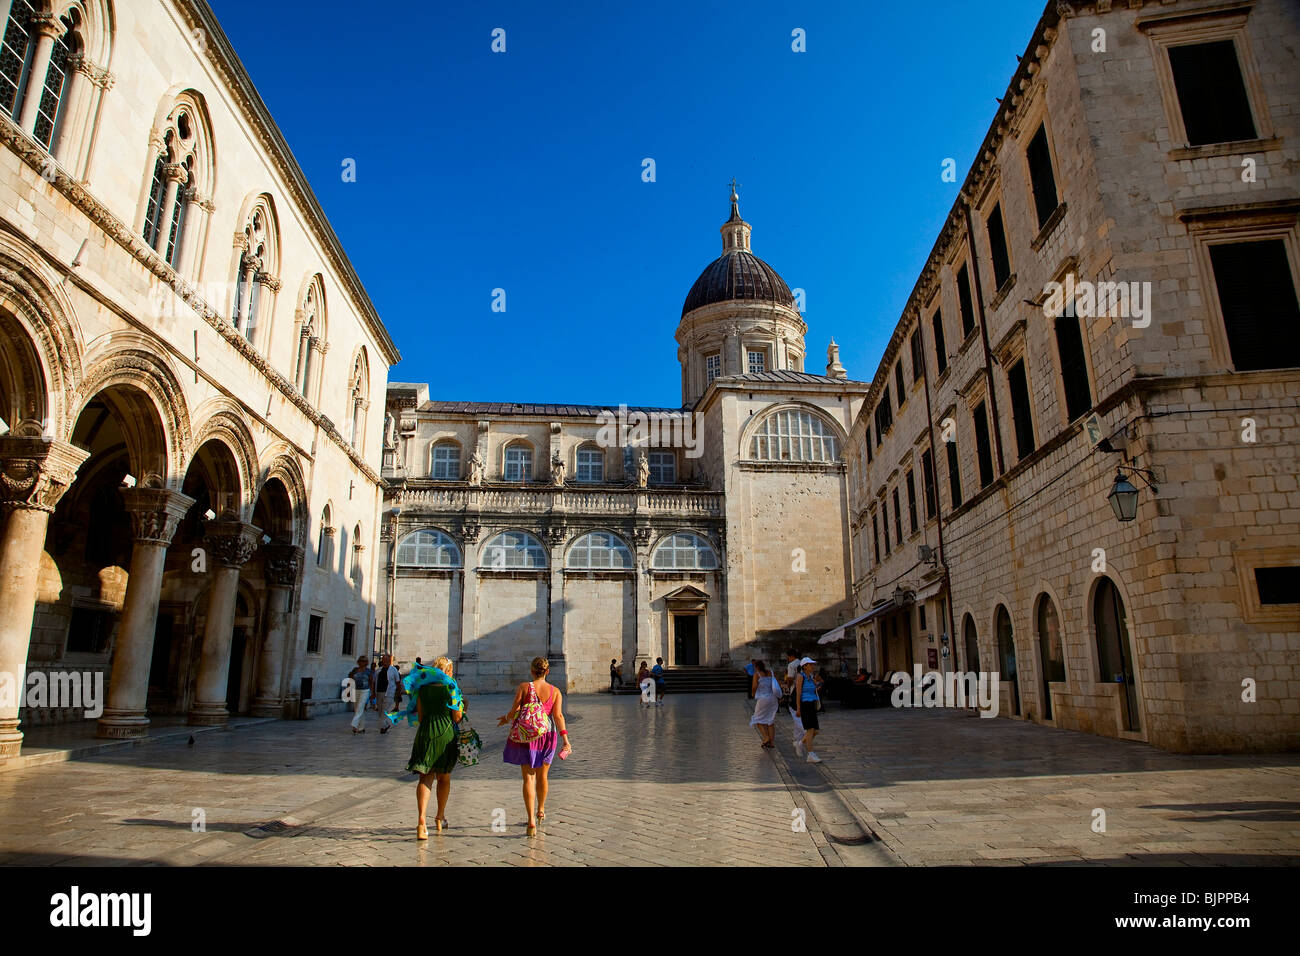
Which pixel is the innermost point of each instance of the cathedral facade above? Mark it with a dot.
(705, 534)
(190, 382)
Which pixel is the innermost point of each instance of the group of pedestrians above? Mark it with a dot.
(800, 690)
(374, 686)
(537, 734)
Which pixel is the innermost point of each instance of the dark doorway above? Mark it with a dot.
(160, 665)
(1051, 653)
(238, 640)
(1116, 656)
(686, 640)
(972, 645)
(1007, 653)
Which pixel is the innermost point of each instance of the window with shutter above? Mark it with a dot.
(1041, 176)
(927, 481)
(998, 247)
(898, 519)
(898, 383)
(918, 360)
(965, 308)
(1074, 365)
(911, 502)
(940, 351)
(1018, 385)
(983, 449)
(1211, 93)
(954, 476)
(1257, 297)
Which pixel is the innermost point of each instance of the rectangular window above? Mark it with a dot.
(1211, 93)
(663, 468)
(1020, 413)
(911, 501)
(313, 634)
(884, 518)
(927, 481)
(869, 455)
(954, 476)
(349, 639)
(1257, 297)
(940, 351)
(918, 359)
(898, 519)
(757, 362)
(1041, 176)
(998, 247)
(89, 630)
(964, 302)
(712, 367)
(898, 383)
(1074, 365)
(920, 615)
(591, 465)
(884, 416)
(519, 464)
(983, 450)
(446, 462)
(875, 535)
(1278, 585)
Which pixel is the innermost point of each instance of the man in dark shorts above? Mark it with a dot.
(660, 685)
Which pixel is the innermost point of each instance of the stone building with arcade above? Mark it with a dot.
(705, 533)
(190, 381)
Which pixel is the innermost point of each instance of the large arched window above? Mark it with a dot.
(590, 464)
(684, 551)
(357, 547)
(359, 397)
(600, 550)
(310, 318)
(519, 462)
(793, 435)
(428, 548)
(514, 550)
(177, 199)
(444, 461)
(1051, 651)
(256, 267)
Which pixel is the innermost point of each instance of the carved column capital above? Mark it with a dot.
(35, 472)
(46, 24)
(642, 534)
(282, 562)
(155, 513)
(176, 172)
(231, 542)
(469, 531)
(556, 533)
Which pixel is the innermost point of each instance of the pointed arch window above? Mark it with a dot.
(35, 69)
(173, 208)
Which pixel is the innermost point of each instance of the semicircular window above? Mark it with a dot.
(600, 550)
(684, 551)
(511, 550)
(429, 548)
(793, 435)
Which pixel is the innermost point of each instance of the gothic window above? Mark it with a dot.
(323, 539)
(600, 550)
(428, 548)
(514, 550)
(312, 328)
(355, 571)
(19, 38)
(792, 435)
(257, 264)
(663, 467)
(359, 397)
(712, 367)
(444, 461)
(173, 207)
(684, 551)
(591, 465)
(519, 463)
(20, 60)
(757, 361)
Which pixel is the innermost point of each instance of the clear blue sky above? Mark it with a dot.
(522, 170)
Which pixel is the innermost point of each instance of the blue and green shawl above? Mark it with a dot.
(420, 676)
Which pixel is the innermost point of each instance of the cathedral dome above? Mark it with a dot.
(738, 275)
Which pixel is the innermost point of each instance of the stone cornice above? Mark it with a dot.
(198, 15)
(76, 193)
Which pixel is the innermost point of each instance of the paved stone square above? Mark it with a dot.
(682, 784)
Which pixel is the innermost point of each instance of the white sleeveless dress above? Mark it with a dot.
(766, 700)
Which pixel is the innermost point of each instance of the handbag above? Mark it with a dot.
(468, 744)
(531, 722)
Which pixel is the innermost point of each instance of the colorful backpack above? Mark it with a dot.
(531, 722)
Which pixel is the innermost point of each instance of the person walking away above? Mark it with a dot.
(615, 674)
(374, 679)
(386, 685)
(749, 669)
(360, 676)
(533, 754)
(766, 691)
(791, 673)
(806, 701)
(647, 684)
(439, 706)
(661, 685)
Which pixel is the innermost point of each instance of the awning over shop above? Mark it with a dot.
(830, 637)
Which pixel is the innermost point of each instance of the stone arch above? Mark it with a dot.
(256, 257)
(310, 336)
(283, 465)
(223, 421)
(95, 26)
(131, 364)
(40, 344)
(1094, 650)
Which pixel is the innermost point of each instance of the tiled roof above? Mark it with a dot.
(527, 408)
(795, 378)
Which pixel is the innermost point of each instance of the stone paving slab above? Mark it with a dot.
(944, 787)
(682, 784)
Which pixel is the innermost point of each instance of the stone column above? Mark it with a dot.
(230, 544)
(176, 176)
(156, 513)
(47, 28)
(282, 562)
(34, 474)
(644, 621)
(468, 594)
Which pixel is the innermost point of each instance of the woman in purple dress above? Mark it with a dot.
(534, 758)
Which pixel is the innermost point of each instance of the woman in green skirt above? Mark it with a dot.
(433, 755)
